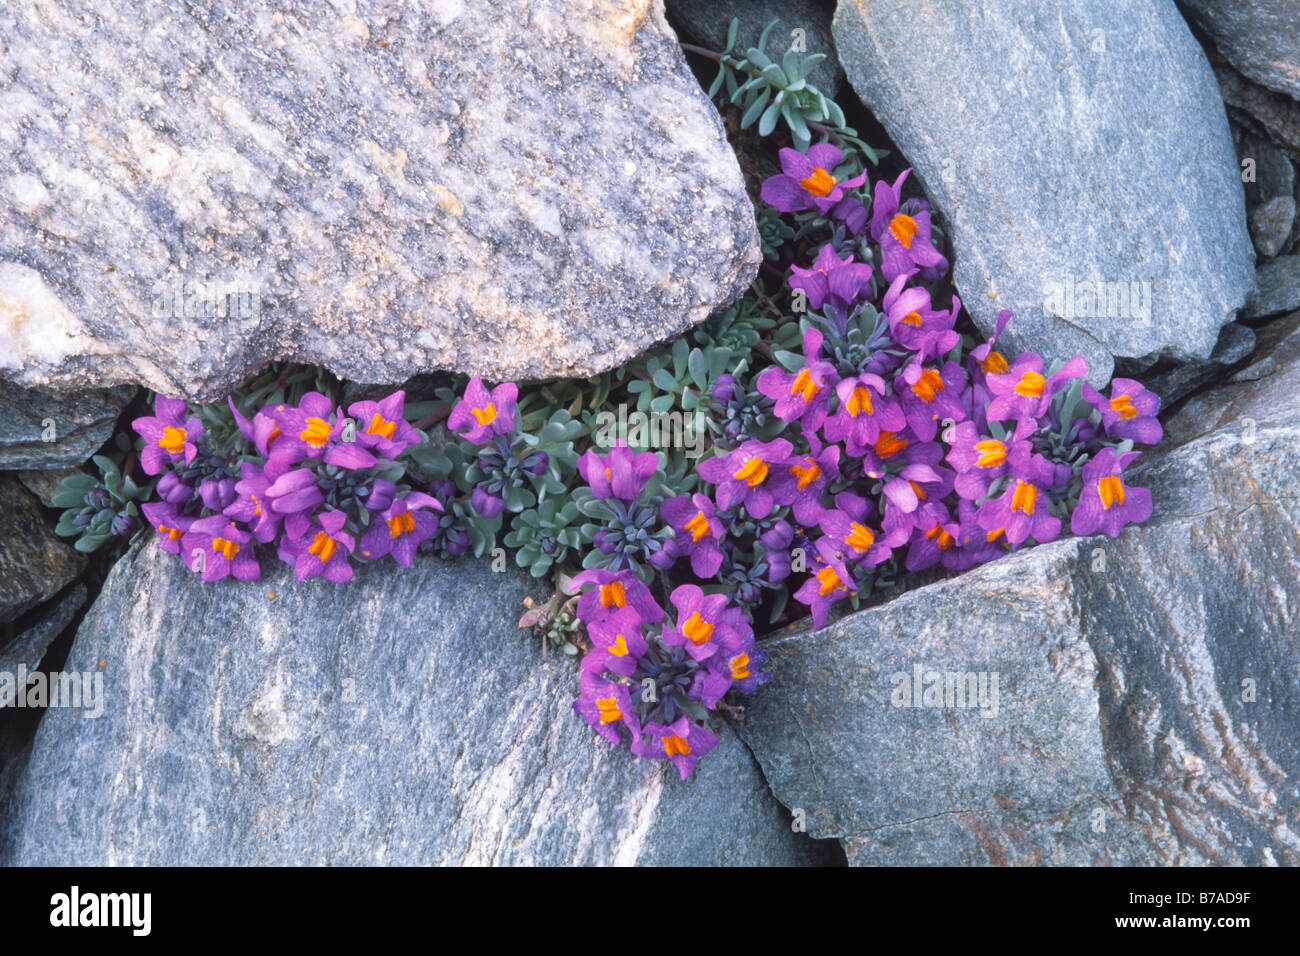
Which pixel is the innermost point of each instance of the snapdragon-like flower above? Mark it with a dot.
(1023, 508)
(170, 436)
(706, 625)
(323, 549)
(807, 181)
(308, 430)
(401, 528)
(832, 582)
(804, 395)
(613, 590)
(929, 396)
(381, 425)
(482, 415)
(216, 548)
(1107, 503)
(741, 475)
(698, 531)
(904, 237)
(866, 410)
(251, 506)
(607, 706)
(170, 524)
(799, 483)
(915, 324)
(840, 280)
(1022, 391)
(1130, 412)
(683, 742)
(622, 473)
(980, 458)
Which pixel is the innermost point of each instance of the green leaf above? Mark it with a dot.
(768, 121)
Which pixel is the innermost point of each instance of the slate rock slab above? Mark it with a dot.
(1149, 685)
(1260, 37)
(35, 564)
(524, 188)
(40, 429)
(1277, 288)
(400, 719)
(1081, 158)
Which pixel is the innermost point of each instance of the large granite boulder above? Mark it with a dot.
(1260, 37)
(1080, 156)
(527, 188)
(35, 564)
(400, 719)
(1090, 701)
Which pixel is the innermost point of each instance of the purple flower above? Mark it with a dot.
(935, 540)
(217, 493)
(807, 181)
(170, 436)
(323, 550)
(1024, 392)
(172, 490)
(481, 414)
(251, 507)
(865, 412)
(380, 425)
(979, 459)
(740, 475)
(306, 431)
(614, 590)
(854, 540)
(294, 495)
(904, 239)
(915, 324)
(401, 528)
(840, 280)
(169, 523)
(832, 582)
(619, 636)
(620, 474)
(1107, 504)
(705, 624)
(683, 742)
(1130, 413)
(606, 706)
(804, 395)
(1023, 509)
(928, 396)
(800, 482)
(215, 548)
(698, 531)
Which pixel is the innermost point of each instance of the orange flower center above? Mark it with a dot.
(173, 440)
(859, 401)
(381, 426)
(860, 537)
(753, 472)
(698, 526)
(1111, 490)
(697, 629)
(613, 595)
(399, 525)
(173, 533)
(804, 385)
(739, 667)
(1124, 405)
(928, 385)
(1031, 385)
(904, 229)
(940, 536)
(828, 581)
(806, 475)
(609, 712)
(1024, 498)
(676, 746)
(317, 432)
(820, 183)
(619, 647)
(913, 319)
(994, 364)
(992, 453)
(889, 444)
(486, 415)
(917, 490)
(323, 546)
(225, 547)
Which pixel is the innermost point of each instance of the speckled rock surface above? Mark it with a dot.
(400, 719)
(1147, 701)
(1066, 145)
(1277, 288)
(40, 429)
(527, 188)
(35, 564)
(1260, 37)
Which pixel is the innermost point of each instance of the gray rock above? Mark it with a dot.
(527, 188)
(1147, 697)
(34, 563)
(705, 23)
(27, 650)
(1277, 288)
(400, 719)
(1260, 37)
(45, 484)
(1235, 344)
(1065, 146)
(1270, 225)
(40, 429)
(1270, 113)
